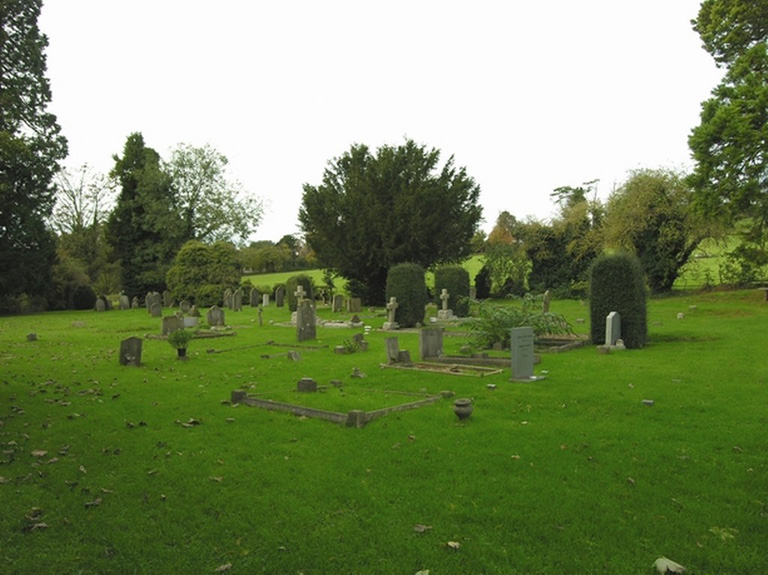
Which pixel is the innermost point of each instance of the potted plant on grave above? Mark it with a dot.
(179, 340)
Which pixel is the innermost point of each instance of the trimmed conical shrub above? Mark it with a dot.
(617, 283)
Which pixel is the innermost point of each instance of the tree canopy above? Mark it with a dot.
(730, 145)
(30, 148)
(373, 211)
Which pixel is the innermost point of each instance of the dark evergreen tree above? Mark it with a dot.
(30, 148)
(144, 231)
(374, 211)
(405, 282)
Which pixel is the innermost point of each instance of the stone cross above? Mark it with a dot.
(444, 296)
(299, 293)
(391, 308)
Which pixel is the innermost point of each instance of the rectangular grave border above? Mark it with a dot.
(354, 418)
(196, 335)
(440, 367)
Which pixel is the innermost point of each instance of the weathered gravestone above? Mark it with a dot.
(280, 296)
(237, 300)
(338, 303)
(125, 303)
(148, 301)
(215, 316)
(546, 301)
(228, 298)
(473, 293)
(392, 306)
(172, 323)
(444, 312)
(167, 299)
(522, 355)
(254, 297)
(265, 300)
(101, 304)
(305, 321)
(306, 385)
(354, 305)
(393, 350)
(135, 302)
(156, 310)
(185, 306)
(612, 329)
(430, 343)
(130, 351)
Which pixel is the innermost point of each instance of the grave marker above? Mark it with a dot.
(237, 300)
(215, 316)
(305, 321)
(172, 323)
(522, 355)
(612, 328)
(280, 296)
(167, 299)
(130, 351)
(254, 297)
(430, 343)
(338, 302)
(391, 312)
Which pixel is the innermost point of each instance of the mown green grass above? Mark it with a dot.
(570, 475)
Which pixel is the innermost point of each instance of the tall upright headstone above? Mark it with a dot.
(545, 302)
(254, 297)
(215, 316)
(135, 303)
(228, 298)
(354, 305)
(125, 303)
(280, 296)
(167, 299)
(237, 300)
(338, 302)
(130, 351)
(156, 310)
(612, 328)
(430, 343)
(522, 355)
(265, 300)
(391, 312)
(305, 321)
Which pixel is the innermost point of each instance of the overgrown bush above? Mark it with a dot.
(617, 283)
(83, 297)
(455, 279)
(201, 273)
(406, 283)
(290, 289)
(483, 283)
(492, 323)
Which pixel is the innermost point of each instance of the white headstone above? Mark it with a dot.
(522, 354)
(612, 328)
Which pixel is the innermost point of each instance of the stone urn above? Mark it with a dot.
(463, 408)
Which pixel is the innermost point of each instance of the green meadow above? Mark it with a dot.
(112, 469)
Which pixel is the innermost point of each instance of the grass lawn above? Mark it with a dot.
(573, 474)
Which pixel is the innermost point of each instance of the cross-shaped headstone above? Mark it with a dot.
(391, 307)
(299, 293)
(444, 296)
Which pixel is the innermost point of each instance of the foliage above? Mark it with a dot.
(293, 284)
(650, 215)
(213, 207)
(83, 297)
(30, 148)
(483, 283)
(201, 273)
(729, 145)
(456, 280)
(508, 267)
(616, 283)
(406, 283)
(144, 230)
(492, 323)
(180, 338)
(68, 277)
(372, 212)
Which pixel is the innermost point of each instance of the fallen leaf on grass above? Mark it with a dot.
(455, 545)
(423, 572)
(82, 469)
(419, 528)
(35, 527)
(4, 480)
(724, 533)
(667, 566)
(39, 453)
(225, 567)
(216, 479)
(95, 503)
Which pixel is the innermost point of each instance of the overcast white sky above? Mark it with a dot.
(528, 96)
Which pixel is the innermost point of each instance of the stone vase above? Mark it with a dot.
(463, 408)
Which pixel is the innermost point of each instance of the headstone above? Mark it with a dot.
(190, 321)
(254, 297)
(612, 328)
(306, 385)
(167, 299)
(265, 300)
(522, 354)
(185, 306)
(404, 356)
(305, 321)
(280, 296)
(130, 351)
(393, 349)
(215, 316)
(194, 312)
(430, 343)
(31, 337)
(148, 301)
(261, 321)
(172, 323)
(391, 312)
(100, 304)
(294, 355)
(156, 310)
(354, 305)
(359, 341)
(228, 298)
(444, 312)
(545, 302)
(300, 294)
(237, 300)
(135, 302)
(473, 293)
(338, 302)
(125, 303)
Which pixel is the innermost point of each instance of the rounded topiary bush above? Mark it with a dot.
(292, 284)
(617, 283)
(455, 279)
(406, 283)
(483, 283)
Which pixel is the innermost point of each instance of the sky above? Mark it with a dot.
(527, 96)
